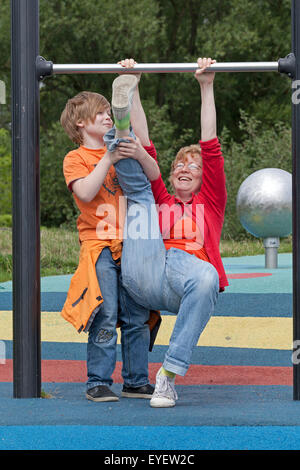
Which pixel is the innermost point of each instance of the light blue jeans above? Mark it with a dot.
(161, 279)
(117, 305)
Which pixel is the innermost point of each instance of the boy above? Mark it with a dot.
(97, 300)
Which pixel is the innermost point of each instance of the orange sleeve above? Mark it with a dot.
(74, 167)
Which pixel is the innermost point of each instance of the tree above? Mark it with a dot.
(92, 31)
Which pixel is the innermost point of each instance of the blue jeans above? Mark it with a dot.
(117, 305)
(111, 142)
(161, 279)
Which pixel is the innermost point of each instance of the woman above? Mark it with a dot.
(180, 271)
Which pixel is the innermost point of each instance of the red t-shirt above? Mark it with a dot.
(187, 236)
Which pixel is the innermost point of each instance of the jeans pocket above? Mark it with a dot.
(172, 291)
(174, 272)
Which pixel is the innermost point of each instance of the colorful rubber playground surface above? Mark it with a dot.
(237, 394)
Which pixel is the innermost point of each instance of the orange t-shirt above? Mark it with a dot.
(103, 217)
(185, 235)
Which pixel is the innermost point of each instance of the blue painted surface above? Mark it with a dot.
(198, 405)
(239, 304)
(217, 417)
(149, 438)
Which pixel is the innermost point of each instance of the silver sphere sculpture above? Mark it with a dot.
(264, 207)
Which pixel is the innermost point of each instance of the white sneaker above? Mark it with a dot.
(164, 395)
(122, 94)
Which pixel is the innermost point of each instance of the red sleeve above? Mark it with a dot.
(213, 189)
(151, 150)
(158, 186)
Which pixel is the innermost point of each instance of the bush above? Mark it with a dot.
(57, 205)
(5, 220)
(56, 202)
(259, 148)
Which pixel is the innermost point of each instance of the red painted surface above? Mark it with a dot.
(75, 371)
(247, 275)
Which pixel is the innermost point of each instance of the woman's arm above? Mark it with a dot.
(134, 149)
(213, 188)
(208, 117)
(137, 114)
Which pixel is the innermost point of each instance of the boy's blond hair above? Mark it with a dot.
(82, 107)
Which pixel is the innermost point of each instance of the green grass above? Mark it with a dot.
(60, 251)
(251, 247)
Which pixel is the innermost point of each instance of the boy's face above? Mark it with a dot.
(99, 126)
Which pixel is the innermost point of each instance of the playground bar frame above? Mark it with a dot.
(165, 68)
(28, 69)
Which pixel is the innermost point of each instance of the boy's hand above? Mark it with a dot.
(132, 149)
(115, 156)
(129, 64)
(203, 64)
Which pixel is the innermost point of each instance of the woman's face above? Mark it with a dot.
(187, 176)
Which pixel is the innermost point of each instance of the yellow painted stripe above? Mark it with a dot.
(247, 332)
(234, 332)
(239, 332)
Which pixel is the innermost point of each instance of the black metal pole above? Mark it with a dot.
(26, 197)
(296, 195)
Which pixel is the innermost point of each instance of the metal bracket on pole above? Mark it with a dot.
(287, 65)
(44, 68)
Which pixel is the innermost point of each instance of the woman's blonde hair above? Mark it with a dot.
(82, 107)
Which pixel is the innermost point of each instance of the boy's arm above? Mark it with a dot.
(87, 187)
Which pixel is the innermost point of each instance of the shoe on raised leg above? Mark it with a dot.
(122, 94)
(164, 395)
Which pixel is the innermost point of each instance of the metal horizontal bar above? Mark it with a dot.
(165, 68)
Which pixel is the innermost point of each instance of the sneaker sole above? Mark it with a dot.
(121, 88)
(136, 395)
(103, 399)
(161, 403)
